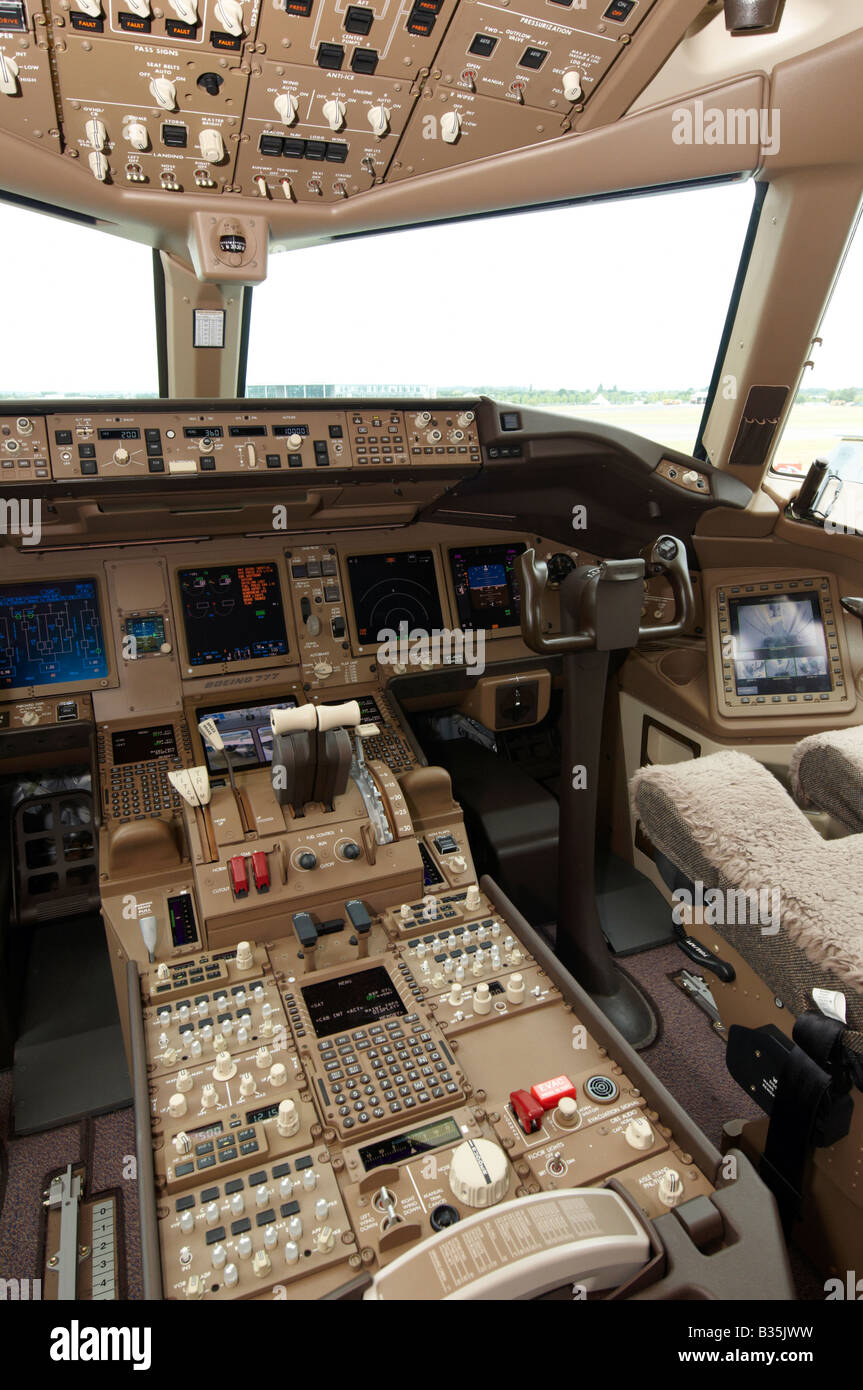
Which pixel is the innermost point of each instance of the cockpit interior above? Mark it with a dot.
(431, 643)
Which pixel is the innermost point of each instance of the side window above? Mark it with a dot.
(826, 419)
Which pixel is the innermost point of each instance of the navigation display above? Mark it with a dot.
(389, 590)
(778, 645)
(51, 634)
(352, 1001)
(246, 734)
(486, 589)
(232, 613)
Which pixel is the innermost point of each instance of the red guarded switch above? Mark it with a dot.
(527, 1111)
(551, 1093)
(261, 871)
(239, 876)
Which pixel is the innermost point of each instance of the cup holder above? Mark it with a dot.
(681, 665)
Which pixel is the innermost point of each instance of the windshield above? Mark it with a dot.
(80, 311)
(609, 311)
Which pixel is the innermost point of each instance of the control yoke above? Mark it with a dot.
(606, 616)
(600, 609)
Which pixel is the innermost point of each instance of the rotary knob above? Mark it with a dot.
(177, 1106)
(308, 860)
(225, 1067)
(670, 1188)
(288, 1120)
(379, 120)
(479, 1173)
(450, 127)
(351, 850)
(572, 88)
(286, 107)
(334, 113)
(184, 1080)
(322, 669)
(638, 1133)
(278, 1076)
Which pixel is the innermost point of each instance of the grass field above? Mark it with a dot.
(811, 429)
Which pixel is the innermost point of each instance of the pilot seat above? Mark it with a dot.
(777, 908)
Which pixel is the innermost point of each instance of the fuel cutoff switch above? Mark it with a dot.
(261, 871)
(239, 876)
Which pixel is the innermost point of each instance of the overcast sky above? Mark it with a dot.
(629, 293)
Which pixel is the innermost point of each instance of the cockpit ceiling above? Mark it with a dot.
(212, 128)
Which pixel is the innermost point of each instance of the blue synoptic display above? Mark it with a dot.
(50, 634)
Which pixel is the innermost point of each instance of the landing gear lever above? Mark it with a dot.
(600, 611)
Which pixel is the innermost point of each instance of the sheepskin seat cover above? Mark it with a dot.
(827, 772)
(725, 821)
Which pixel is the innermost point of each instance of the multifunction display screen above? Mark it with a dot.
(232, 613)
(486, 588)
(352, 1001)
(246, 733)
(143, 745)
(778, 645)
(389, 590)
(51, 634)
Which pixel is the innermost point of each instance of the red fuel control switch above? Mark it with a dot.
(551, 1093)
(261, 871)
(239, 876)
(527, 1111)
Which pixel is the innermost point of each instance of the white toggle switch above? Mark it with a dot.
(211, 1213)
(325, 1239)
(8, 75)
(379, 119)
(322, 1209)
(186, 10)
(140, 8)
(690, 476)
(91, 7)
(288, 190)
(638, 1133)
(262, 186)
(262, 1195)
(295, 1228)
(211, 145)
(244, 1247)
(232, 1275)
(229, 13)
(187, 1221)
(450, 127)
(98, 165)
(310, 1179)
(334, 113)
(238, 1204)
(286, 107)
(286, 1187)
(572, 89)
(219, 1256)
(164, 92)
(292, 1252)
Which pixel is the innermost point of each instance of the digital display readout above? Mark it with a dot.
(778, 645)
(233, 613)
(202, 432)
(263, 1112)
(119, 434)
(410, 1143)
(143, 745)
(51, 634)
(352, 1001)
(285, 431)
(486, 588)
(247, 431)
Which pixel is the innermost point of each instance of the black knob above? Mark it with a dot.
(444, 1216)
(211, 82)
(351, 851)
(307, 860)
(559, 566)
